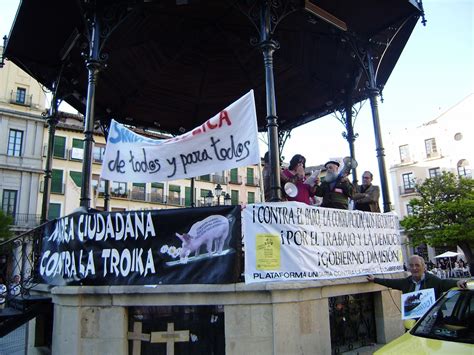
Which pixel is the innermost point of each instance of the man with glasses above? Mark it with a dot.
(367, 196)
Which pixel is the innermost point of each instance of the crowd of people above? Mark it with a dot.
(445, 268)
(334, 190)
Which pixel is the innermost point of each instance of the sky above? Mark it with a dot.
(434, 72)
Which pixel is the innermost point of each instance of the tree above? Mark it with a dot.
(443, 213)
(5, 223)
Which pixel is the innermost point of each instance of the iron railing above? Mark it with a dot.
(19, 258)
(26, 220)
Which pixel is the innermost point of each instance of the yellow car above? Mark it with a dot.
(447, 328)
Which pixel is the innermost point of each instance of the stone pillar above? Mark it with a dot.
(90, 330)
(388, 320)
(248, 329)
(301, 328)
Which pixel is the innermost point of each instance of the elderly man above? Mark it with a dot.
(367, 196)
(419, 279)
(335, 189)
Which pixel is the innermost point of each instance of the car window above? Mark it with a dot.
(451, 318)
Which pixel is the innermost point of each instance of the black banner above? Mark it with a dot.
(175, 246)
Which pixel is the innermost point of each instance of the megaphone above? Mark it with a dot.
(349, 164)
(290, 189)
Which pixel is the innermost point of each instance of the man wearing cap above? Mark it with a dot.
(335, 189)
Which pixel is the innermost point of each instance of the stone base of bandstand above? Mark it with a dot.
(271, 318)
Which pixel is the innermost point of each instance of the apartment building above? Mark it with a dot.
(442, 144)
(22, 102)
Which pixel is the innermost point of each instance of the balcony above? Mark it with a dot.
(146, 197)
(27, 101)
(219, 179)
(252, 182)
(26, 220)
(406, 190)
(236, 180)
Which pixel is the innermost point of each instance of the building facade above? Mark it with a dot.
(22, 102)
(442, 144)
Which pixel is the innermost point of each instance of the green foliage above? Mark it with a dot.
(443, 213)
(5, 223)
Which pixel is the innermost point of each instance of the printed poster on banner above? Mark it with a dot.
(177, 246)
(416, 304)
(291, 241)
(227, 140)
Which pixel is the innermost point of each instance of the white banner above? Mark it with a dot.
(293, 241)
(227, 140)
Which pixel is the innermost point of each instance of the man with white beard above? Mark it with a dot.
(335, 189)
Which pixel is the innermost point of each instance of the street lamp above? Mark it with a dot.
(227, 200)
(218, 192)
(208, 199)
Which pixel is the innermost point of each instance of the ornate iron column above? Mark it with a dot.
(374, 92)
(268, 46)
(52, 119)
(349, 135)
(93, 64)
(112, 16)
(265, 15)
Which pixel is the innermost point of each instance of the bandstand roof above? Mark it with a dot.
(171, 65)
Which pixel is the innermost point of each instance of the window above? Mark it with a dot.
(234, 195)
(234, 178)
(156, 192)
(9, 201)
(250, 197)
(59, 149)
(408, 182)
(205, 177)
(98, 184)
(463, 172)
(98, 153)
(250, 179)
(434, 172)
(54, 210)
(203, 195)
(119, 189)
(76, 176)
(174, 194)
(463, 169)
(404, 153)
(187, 196)
(20, 96)
(77, 151)
(15, 142)
(57, 181)
(138, 191)
(409, 210)
(430, 147)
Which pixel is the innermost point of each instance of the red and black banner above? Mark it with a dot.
(175, 246)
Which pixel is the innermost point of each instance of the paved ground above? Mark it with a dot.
(14, 342)
(366, 350)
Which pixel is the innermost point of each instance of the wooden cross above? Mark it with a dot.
(170, 337)
(137, 336)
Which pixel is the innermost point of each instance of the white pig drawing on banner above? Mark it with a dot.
(212, 232)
